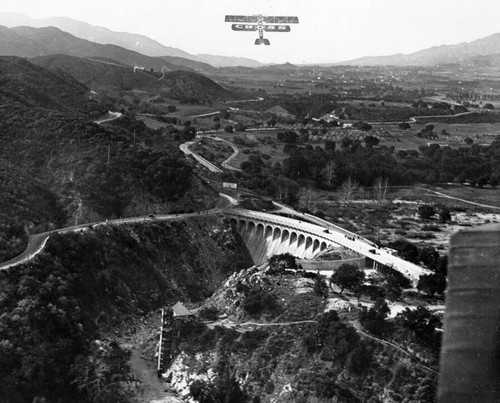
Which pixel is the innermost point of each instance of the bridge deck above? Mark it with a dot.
(333, 236)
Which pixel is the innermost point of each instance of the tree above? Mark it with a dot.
(362, 126)
(209, 313)
(189, 133)
(371, 141)
(428, 256)
(228, 129)
(345, 142)
(373, 319)
(426, 211)
(380, 189)
(348, 190)
(404, 126)
(288, 137)
(426, 391)
(171, 108)
(279, 263)
(442, 266)
(359, 360)
(320, 288)
(240, 127)
(330, 172)
(423, 324)
(330, 145)
(348, 276)
(494, 180)
(432, 284)
(406, 250)
(258, 301)
(468, 141)
(445, 215)
(392, 289)
(305, 197)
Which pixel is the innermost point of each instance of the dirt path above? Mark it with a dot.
(459, 199)
(357, 326)
(142, 343)
(249, 326)
(152, 388)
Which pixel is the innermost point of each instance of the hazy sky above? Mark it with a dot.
(329, 30)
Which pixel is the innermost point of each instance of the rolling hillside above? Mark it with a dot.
(32, 42)
(58, 167)
(32, 86)
(103, 74)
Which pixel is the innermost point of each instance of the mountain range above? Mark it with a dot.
(135, 42)
(445, 54)
(131, 48)
(25, 41)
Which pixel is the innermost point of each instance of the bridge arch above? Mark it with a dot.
(259, 230)
(251, 227)
(315, 246)
(285, 236)
(304, 239)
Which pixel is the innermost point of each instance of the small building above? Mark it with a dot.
(181, 312)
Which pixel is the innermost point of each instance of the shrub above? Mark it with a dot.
(432, 227)
(209, 313)
(258, 301)
(426, 211)
(279, 263)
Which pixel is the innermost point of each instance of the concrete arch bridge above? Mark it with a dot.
(268, 234)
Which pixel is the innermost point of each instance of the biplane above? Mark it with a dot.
(261, 23)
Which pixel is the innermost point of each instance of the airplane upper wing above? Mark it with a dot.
(268, 19)
(281, 20)
(242, 18)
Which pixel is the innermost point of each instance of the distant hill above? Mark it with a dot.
(229, 61)
(484, 61)
(32, 42)
(281, 67)
(444, 54)
(135, 42)
(33, 86)
(108, 74)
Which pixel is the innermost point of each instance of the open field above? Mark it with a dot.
(263, 142)
(212, 150)
(398, 217)
(481, 133)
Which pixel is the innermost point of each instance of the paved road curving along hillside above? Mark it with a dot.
(36, 242)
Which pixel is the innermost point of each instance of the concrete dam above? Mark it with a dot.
(268, 234)
(263, 241)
